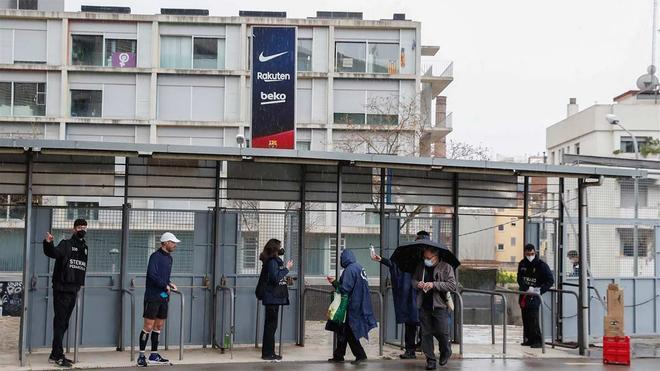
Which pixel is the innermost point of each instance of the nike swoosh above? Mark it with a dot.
(266, 59)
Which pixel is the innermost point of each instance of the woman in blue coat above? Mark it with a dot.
(275, 293)
(360, 315)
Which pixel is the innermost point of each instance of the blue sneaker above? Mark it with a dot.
(156, 359)
(142, 361)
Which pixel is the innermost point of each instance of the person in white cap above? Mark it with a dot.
(156, 297)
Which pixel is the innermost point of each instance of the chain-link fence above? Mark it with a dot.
(12, 238)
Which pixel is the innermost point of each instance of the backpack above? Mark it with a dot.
(261, 284)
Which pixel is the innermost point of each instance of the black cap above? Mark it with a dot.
(530, 247)
(79, 221)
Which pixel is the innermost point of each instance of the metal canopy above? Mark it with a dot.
(309, 158)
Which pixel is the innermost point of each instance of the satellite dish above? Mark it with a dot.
(647, 82)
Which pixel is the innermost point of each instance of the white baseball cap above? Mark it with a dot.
(167, 236)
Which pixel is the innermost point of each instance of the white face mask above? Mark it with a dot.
(530, 258)
(428, 262)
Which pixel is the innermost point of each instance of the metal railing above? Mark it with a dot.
(304, 309)
(181, 328)
(506, 291)
(381, 326)
(492, 295)
(552, 315)
(132, 336)
(232, 317)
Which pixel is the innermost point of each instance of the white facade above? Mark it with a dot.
(611, 206)
(179, 92)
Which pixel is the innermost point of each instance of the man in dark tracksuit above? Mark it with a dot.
(68, 275)
(156, 298)
(534, 276)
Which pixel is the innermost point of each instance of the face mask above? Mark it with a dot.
(428, 262)
(530, 258)
(280, 252)
(81, 234)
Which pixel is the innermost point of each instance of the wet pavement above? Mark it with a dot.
(471, 364)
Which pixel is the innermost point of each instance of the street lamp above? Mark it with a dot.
(614, 120)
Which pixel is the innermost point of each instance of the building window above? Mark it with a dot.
(86, 210)
(552, 157)
(372, 217)
(86, 103)
(195, 52)
(250, 250)
(5, 98)
(350, 56)
(645, 241)
(627, 145)
(120, 53)
(380, 119)
(304, 54)
(383, 58)
(208, 53)
(28, 4)
(367, 57)
(513, 241)
(333, 251)
(500, 247)
(22, 99)
(87, 50)
(627, 188)
(303, 145)
(577, 148)
(500, 227)
(349, 118)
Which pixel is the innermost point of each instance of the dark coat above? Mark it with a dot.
(275, 272)
(533, 274)
(70, 263)
(403, 294)
(354, 283)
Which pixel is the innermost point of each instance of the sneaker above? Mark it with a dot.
(359, 361)
(430, 365)
(272, 358)
(156, 359)
(445, 359)
(142, 361)
(63, 362)
(336, 360)
(408, 355)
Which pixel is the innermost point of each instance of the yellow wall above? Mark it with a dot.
(504, 237)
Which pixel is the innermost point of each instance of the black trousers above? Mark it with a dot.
(63, 304)
(531, 326)
(346, 337)
(270, 327)
(410, 336)
(435, 323)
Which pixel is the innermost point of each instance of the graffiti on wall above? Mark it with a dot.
(11, 296)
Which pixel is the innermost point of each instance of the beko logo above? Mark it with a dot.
(273, 77)
(272, 98)
(264, 58)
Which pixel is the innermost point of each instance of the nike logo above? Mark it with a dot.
(267, 58)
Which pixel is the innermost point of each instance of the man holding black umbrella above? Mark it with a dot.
(405, 300)
(433, 279)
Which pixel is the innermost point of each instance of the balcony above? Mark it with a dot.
(438, 74)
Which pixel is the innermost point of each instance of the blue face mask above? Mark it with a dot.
(428, 263)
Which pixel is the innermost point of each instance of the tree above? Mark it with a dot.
(465, 151)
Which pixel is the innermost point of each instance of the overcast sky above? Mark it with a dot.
(516, 62)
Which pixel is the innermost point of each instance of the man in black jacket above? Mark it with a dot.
(535, 277)
(68, 275)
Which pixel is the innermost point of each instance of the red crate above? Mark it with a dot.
(616, 350)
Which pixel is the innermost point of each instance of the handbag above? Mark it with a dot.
(281, 291)
(337, 310)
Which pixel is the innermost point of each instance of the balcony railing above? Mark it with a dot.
(437, 68)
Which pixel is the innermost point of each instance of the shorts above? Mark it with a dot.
(155, 309)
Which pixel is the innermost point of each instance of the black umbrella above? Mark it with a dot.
(408, 256)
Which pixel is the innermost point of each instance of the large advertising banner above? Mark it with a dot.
(273, 87)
